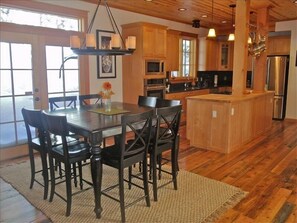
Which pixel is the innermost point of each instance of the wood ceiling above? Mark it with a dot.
(279, 10)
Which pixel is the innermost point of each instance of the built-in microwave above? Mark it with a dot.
(154, 67)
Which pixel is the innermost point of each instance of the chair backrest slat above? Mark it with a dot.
(147, 101)
(68, 102)
(85, 99)
(32, 118)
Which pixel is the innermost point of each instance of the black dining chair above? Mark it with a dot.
(125, 154)
(160, 102)
(33, 124)
(68, 153)
(165, 138)
(62, 102)
(89, 99)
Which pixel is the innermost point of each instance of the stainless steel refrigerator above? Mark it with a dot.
(277, 81)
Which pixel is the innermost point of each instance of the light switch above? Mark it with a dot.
(214, 114)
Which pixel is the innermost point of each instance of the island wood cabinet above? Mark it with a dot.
(172, 60)
(223, 123)
(182, 97)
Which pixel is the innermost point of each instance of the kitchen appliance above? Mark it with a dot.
(155, 87)
(154, 67)
(277, 80)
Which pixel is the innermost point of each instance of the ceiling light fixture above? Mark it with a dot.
(117, 44)
(182, 9)
(211, 31)
(231, 35)
(196, 23)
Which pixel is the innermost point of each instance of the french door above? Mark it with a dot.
(29, 74)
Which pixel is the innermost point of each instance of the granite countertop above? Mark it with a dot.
(192, 89)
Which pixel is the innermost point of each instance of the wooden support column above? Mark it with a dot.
(242, 17)
(260, 62)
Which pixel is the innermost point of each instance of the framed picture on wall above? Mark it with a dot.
(106, 65)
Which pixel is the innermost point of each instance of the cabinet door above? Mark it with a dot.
(278, 45)
(154, 42)
(224, 56)
(160, 43)
(148, 41)
(172, 55)
(211, 55)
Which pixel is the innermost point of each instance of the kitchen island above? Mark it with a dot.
(224, 123)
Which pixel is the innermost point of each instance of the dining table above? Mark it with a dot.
(96, 123)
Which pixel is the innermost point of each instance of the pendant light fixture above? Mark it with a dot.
(211, 31)
(231, 35)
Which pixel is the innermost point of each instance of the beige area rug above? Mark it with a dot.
(198, 199)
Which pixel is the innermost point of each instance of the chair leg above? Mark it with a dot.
(68, 188)
(121, 191)
(80, 175)
(159, 160)
(174, 165)
(44, 174)
(130, 176)
(145, 183)
(155, 187)
(32, 164)
(53, 178)
(74, 174)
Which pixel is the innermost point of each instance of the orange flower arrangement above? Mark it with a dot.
(106, 92)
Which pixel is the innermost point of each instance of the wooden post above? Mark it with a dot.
(240, 60)
(260, 62)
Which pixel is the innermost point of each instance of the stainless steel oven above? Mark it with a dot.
(154, 88)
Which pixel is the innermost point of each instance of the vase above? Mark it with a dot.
(107, 104)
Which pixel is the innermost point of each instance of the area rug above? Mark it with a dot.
(198, 199)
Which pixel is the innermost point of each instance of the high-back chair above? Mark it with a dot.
(123, 155)
(62, 102)
(33, 121)
(165, 138)
(89, 99)
(68, 153)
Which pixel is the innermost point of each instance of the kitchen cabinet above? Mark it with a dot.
(278, 45)
(211, 55)
(225, 55)
(172, 59)
(154, 41)
(150, 44)
(182, 97)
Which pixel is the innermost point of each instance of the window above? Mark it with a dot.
(66, 82)
(187, 57)
(22, 17)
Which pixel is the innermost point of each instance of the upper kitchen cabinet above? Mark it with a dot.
(150, 39)
(208, 54)
(278, 45)
(172, 60)
(225, 61)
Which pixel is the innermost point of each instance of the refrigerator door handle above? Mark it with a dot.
(268, 71)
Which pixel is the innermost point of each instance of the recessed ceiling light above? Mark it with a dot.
(204, 16)
(224, 21)
(148, 0)
(182, 9)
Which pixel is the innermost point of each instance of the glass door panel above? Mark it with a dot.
(16, 91)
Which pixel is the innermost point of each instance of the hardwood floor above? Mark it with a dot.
(266, 168)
